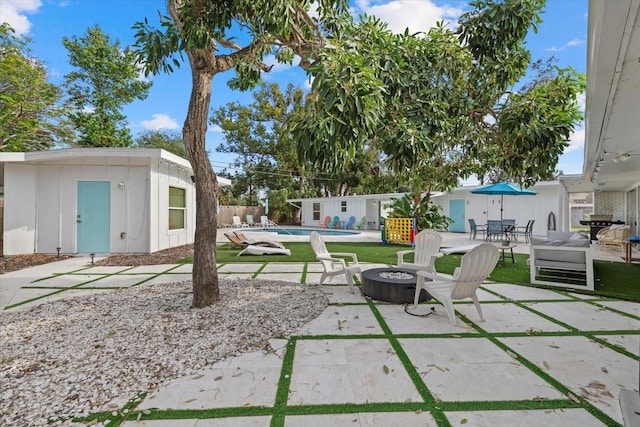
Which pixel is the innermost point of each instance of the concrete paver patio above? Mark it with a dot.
(542, 357)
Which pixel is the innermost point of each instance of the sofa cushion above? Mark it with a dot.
(566, 235)
(559, 256)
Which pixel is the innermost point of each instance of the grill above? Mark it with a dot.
(598, 222)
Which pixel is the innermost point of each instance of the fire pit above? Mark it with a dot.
(395, 285)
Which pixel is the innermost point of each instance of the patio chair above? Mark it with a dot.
(332, 264)
(334, 222)
(613, 237)
(360, 224)
(475, 266)
(475, 228)
(325, 222)
(427, 249)
(508, 228)
(525, 231)
(237, 223)
(240, 240)
(266, 222)
(249, 220)
(350, 222)
(494, 229)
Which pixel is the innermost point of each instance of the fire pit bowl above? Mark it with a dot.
(395, 285)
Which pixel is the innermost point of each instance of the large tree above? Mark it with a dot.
(206, 31)
(105, 78)
(266, 153)
(29, 110)
(441, 105)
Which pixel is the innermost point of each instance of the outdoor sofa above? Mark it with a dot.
(562, 259)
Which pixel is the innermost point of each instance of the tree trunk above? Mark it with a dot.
(205, 275)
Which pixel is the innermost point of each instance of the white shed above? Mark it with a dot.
(96, 200)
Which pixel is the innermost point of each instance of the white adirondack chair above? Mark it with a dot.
(333, 265)
(475, 266)
(425, 252)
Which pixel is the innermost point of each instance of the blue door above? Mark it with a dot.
(93, 216)
(456, 213)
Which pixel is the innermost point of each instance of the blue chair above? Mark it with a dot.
(474, 228)
(350, 222)
(494, 229)
(334, 222)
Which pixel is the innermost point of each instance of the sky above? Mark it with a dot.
(562, 34)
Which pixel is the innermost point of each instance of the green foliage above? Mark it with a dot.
(423, 99)
(105, 78)
(426, 214)
(29, 111)
(167, 140)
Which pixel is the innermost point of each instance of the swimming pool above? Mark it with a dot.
(302, 231)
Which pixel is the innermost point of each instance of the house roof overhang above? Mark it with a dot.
(52, 156)
(611, 152)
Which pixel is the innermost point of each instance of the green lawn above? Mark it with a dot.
(613, 279)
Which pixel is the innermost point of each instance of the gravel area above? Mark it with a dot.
(93, 353)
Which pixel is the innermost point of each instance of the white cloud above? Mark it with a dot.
(576, 141)
(567, 45)
(215, 129)
(14, 13)
(582, 101)
(411, 14)
(270, 60)
(159, 121)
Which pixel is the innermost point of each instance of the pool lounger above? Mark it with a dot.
(264, 250)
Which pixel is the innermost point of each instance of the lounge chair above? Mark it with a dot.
(237, 223)
(325, 223)
(332, 264)
(264, 250)
(350, 222)
(425, 252)
(250, 221)
(240, 240)
(475, 266)
(266, 222)
(334, 222)
(360, 225)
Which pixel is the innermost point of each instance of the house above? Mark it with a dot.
(96, 200)
(549, 208)
(459, 204)
(611, 169)
(371, 206)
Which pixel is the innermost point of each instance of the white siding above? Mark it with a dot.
(550, 198)
(19, 209)
(168, 174)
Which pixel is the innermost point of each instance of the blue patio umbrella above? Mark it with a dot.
(503, 188)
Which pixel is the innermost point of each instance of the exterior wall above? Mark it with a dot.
(19, 209)
(550, 198)
(48, 194)
(332, 206)
(164, 175)
(610, 203)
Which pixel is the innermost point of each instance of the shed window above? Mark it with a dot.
(316, 211)
(343, 206)
(177, 208)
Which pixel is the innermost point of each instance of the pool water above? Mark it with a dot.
(303, 231)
